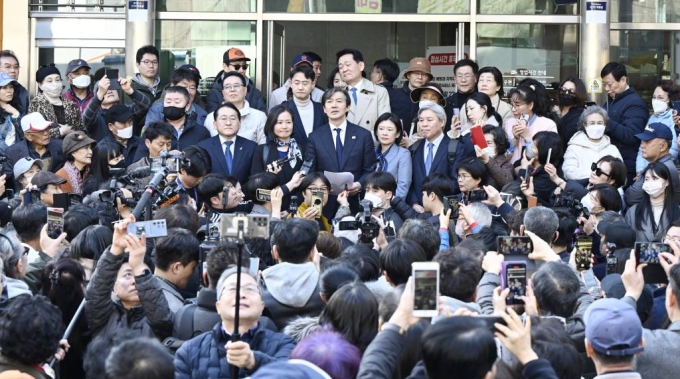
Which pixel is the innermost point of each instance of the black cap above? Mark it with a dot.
(192, 68)
(118, 113)
(76, 64)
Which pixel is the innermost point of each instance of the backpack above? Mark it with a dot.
(450, 153)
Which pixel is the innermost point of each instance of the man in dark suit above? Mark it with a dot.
(431, 154)
(341, 146)
(308, 115)
(230, 154)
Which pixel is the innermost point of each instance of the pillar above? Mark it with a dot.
(139, 30)
(594, 46)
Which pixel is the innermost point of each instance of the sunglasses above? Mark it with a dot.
(568, 91)
(240, 66)
(598, 171)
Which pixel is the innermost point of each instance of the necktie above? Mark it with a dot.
(338, 146)
(227, 155)
(428, 161)
(354, 94)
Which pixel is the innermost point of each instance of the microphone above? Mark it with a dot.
(140, 172)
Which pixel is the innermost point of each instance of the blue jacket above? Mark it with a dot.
(628, 116)
(215, 97)
(197, 113)
(204, 357)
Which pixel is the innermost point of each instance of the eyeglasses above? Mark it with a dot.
(598, 171)
(466, 76)
(464, 176)
(150, 63)
(247, 289)
(516, 105)
(232, 87)
(322, 189)
(239, 66)
(228, 118)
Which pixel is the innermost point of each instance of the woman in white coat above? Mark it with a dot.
(588, 145)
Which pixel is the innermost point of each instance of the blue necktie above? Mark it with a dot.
(338, 146)
(227, 155)
(428, 161)
(354, 95)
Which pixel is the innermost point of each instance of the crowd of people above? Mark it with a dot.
(530, 207)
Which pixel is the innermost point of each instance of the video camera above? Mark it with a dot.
(364, 222)
(567, 200)
(174, 163)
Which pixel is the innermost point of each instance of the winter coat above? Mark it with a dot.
(252, 124)
(570, 124)
(665, 118)
(582, 152)
(41, 105)
(21, 93)
(501, 170)
(635, 193)
(647, 233)
(151, 319)
(195, 112)
(82, 104)
(215, 97)
(628, 115)
(302, 327)
(536, 124)
(203, 357)
(94, 116)
(15, 369)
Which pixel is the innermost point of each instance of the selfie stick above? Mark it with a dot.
(236, 336)
(70, 327)
(151, 190)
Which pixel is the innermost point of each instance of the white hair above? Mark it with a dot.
(434, 107)
(480, 213)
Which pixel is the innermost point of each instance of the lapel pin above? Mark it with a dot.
(354, 137)
(240, 148)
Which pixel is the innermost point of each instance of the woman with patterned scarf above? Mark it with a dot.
(77, 149)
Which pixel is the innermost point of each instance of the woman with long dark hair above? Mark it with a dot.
(571, 102)
(106, 155)
(10, 112)
(658, 209)
(543, 186)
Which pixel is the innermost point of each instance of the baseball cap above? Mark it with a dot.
(192, 68)
(34, 122)
(291, 369)
(43, 178)
(25, 164)
(76, 64)
(612, 285)
(5, 79)
(300, 59)
(118, 113)
(75, 141)
(234, 54)
(618, 233)
(655, 130)
(613, 328)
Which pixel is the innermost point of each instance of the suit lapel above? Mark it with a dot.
(348, 144)
(238, 152)
(364, 99)
(218, 148)
(327, 139)
(420, 157)
(442, 151)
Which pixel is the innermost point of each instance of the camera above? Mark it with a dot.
(152, 229)
(252, 226)
(567, 200)
(173, 162)
(475, 196)
(364, 222)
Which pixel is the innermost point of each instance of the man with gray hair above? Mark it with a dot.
(203, 356)
(436, 152)
(541, 221)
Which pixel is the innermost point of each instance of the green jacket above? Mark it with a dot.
(34, 274)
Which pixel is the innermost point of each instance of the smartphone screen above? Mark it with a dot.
(591, 283)
(514, 245)
(263, 195)
(451, 202)
(55, 222)
(317, 202)
(648, 253)
(584, 247)
(426, 290)
(516, 281)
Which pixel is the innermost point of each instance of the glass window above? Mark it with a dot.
(368, 6)
(203, 43)
(95, 57)
(645, 11)
(532, 7)
(79, 6)
(546, 53)
(236, 6)
(649, 56)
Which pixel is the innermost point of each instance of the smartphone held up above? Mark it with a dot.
(425, 289)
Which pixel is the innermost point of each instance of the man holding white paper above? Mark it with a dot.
(341, 147)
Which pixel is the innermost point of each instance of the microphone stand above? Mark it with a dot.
(70, 327)
(236, 336)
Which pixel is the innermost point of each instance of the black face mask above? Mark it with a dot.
(174, 113)
(567, 100)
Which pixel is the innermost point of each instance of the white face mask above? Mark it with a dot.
(377, 202)
(52, 89)
(595, 131)
(125, 133)
(659, 106)
(655, 188)
(82, 81)
(489, 151)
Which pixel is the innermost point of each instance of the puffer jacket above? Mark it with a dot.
(582, 152)
(302, 327)
(203, 357)
(151, 319)
(628, 115)
(215, 97)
